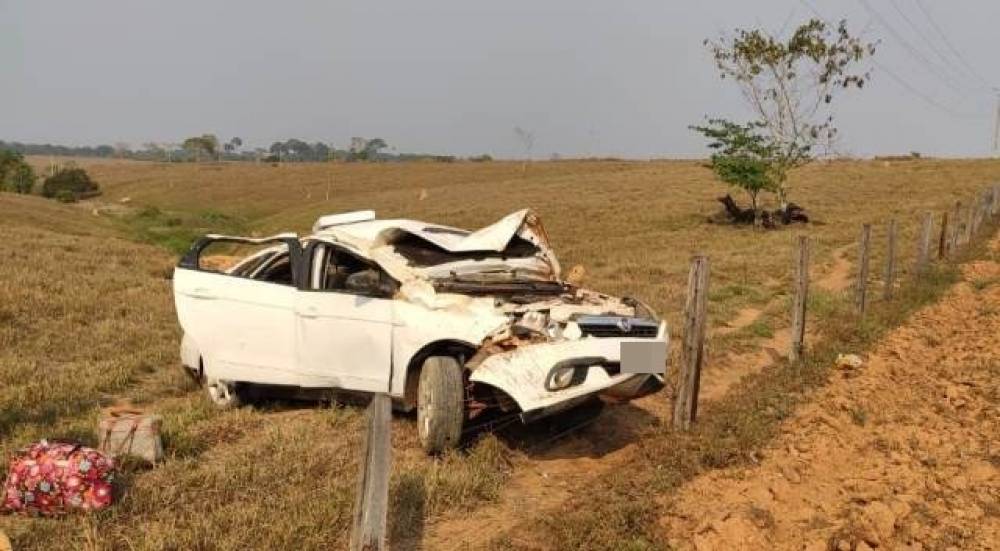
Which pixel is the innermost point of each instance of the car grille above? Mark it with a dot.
(617, 327)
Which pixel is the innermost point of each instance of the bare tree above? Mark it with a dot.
(527, 139)
(121, 148)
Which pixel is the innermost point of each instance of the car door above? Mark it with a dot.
(344, 334)
(242, 322)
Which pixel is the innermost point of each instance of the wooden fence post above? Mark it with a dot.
(861, 289)
(693, 351)
(977, 219)
(890, 262)
(801, 296)
(944, 241)
(970, 220)
(371, 504)
(924, 243)
(956, 228)
(995, 206)
(984, 211)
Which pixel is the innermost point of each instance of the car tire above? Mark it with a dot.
(223, 394)
(440, 404)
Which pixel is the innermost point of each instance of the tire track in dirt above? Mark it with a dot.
(718, 377)
(903, 453)
(838, 278)
(544, 480)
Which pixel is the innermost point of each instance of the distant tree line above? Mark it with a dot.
(208, 147)
(67, 184)
(60, 150)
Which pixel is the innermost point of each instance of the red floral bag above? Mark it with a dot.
(54, 478)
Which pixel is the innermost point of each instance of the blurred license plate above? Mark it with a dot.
(644, 357)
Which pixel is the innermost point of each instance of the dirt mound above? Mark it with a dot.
(901, 453)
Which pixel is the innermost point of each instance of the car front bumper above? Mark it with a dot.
(522, 373)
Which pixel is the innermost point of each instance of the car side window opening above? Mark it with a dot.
(249, 267)
(271, 267)
(347, 273)
(277, 270)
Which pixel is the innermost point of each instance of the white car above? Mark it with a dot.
(450, 322)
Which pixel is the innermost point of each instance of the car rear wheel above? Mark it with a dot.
(223, 394)
(440, 404)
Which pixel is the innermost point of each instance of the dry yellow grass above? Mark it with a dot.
(87, 319)
(632, 225)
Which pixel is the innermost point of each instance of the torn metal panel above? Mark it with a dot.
(522, 371)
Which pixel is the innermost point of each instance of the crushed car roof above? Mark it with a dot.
(494, 237)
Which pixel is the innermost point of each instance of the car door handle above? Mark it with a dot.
(310, 312)
(201, 292)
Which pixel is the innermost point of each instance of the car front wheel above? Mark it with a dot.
(223, 394)
(440, 404)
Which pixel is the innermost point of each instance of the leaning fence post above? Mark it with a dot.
(977, 212)
(693, 351)
(890, 262)
(969, 221)
(371, 504)
(924, 243)
(956, 229)
(861, 290)
(799, 301)
(943, 242)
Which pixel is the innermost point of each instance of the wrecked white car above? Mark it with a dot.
(450, 322)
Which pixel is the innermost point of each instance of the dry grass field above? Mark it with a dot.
(86, 320)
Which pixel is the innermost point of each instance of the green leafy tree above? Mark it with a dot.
(16, 175)
(789, 83)
(22, 179)
(370, 151)
(743, 157)
(372, 148)
(70, 181)
(233, 145)
(206, 144)
(321, 151)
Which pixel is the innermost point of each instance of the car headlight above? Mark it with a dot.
(561, 377)
(572, 331)
(570, 373)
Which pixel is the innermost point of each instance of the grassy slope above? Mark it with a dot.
(112, 332)
(87, 320)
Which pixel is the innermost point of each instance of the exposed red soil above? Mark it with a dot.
(902, 453)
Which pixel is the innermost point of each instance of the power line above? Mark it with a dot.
(914, 52)
(951, 47)
(898, 79)
(927, 99)
(948, 63)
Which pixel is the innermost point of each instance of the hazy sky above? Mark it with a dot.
(456, 76)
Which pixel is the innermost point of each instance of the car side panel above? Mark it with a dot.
(244, 329)
(344, 340)
(416, 327)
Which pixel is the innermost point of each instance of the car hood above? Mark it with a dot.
(495, 238)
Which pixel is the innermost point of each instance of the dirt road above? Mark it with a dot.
(901, 453)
